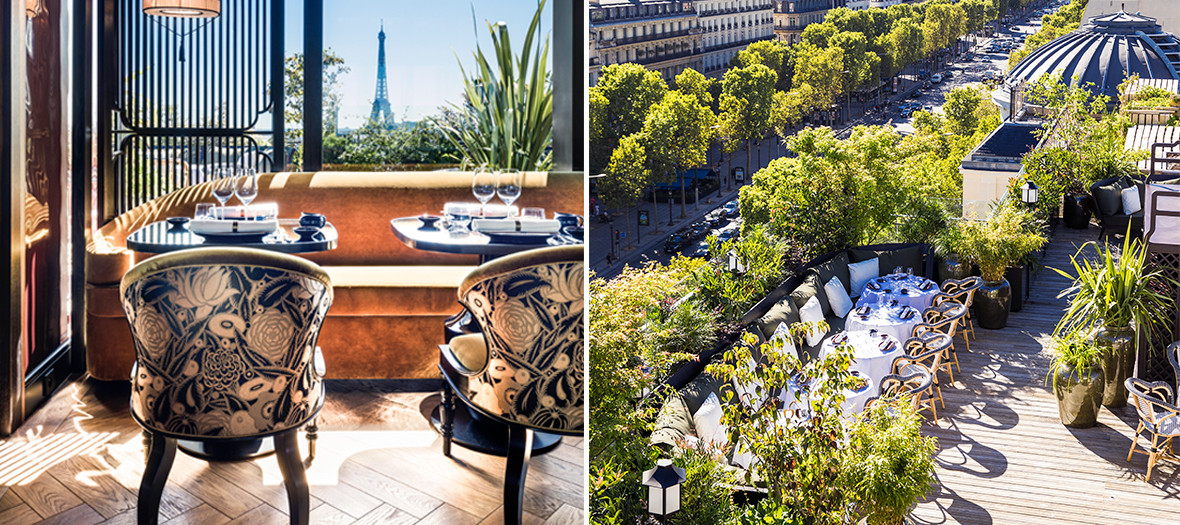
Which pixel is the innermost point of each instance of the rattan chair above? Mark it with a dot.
(927, 353)
(943, 319)
(914, 383)
(525, 368)
(1159, 417)
(961, 291)
(225, 352)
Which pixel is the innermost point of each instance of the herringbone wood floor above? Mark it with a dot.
(79, 459)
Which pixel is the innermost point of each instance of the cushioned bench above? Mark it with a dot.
(677, 418)
(390, 300)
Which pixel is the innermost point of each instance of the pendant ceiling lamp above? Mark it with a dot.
(183, 8)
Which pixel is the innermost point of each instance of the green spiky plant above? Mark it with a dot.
(508, 114)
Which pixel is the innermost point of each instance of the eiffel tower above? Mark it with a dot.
(381, 112)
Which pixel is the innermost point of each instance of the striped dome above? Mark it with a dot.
(1106, 50)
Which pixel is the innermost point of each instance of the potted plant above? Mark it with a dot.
(948, 247)
(1077, 378)
(994, 245)
(1112, 297)
(891, 464)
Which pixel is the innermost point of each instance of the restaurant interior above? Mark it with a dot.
(343, 346)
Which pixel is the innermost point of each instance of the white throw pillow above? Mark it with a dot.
(708, 424)
(1131, 200)
(863, 272)
(812, 312)
(837, 297)
(750, 393)
(784, 332)
(742, 457)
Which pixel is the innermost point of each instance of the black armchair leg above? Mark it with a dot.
(294, 477)
(161, 453)
(448, 418)
(520, 447)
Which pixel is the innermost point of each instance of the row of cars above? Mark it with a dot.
(909, 108)
(691, 241)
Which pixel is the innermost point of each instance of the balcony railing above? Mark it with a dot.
(738, 43)
(612, 42)
(715, 12)
(661, 58)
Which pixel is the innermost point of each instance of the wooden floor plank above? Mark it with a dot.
(80, 515)
(203, 514)
(387, 514)
(19, 515)
(449, 515)
(46, 496)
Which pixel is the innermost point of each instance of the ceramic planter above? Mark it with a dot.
(1078, 396)
(952, 267)
(993, 301)
(1075, 212)
(1015, 277)
(1117, 345)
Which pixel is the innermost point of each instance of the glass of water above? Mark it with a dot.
(458, 216)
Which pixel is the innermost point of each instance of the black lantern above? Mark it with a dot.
(1028, 193)
(663, 488)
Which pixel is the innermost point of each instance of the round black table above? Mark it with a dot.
(471, 430)
(161, 237)
(409, 230)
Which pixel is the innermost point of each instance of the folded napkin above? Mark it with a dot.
(516, 225)
(840, 337)
(873, 285)
(864, 310)
(907, 313)
(256, 212)
(225, 226)
(888, 290)
(925, 286)
(887, 346)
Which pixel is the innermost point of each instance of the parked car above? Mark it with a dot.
(727, 235)
(715, 218)
(936, 78)
(699, 251)
(698, 229)
(731, 208)
(674, 242)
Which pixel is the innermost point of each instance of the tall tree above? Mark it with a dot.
(904, 42)
(680, 128)
(962, 109)
(822, 69)
(693, 83)
(629, 91)
(747, 95)
(293, 90)
(625, 178)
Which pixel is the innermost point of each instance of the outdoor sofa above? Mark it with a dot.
(690, 385)
(390, 300)
(1110, 206)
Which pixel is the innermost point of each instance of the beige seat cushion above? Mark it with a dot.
(400, 290)
(471, 351)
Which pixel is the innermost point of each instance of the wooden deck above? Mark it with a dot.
(79, 460)
(1004, 456)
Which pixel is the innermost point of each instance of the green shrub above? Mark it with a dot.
(890, 464)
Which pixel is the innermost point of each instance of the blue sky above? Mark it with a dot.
(422, 39)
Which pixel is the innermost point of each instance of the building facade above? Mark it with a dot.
(791, 17)
(662, 35)
(869, 4)
(729, 26)
(668, 36)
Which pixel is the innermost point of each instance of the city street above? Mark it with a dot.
(648, 243)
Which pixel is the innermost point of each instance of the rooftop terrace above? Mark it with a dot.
(1004, 456)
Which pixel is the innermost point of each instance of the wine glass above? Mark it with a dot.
(508, 186)
(483, 185)
(223, 185)
(246, 185)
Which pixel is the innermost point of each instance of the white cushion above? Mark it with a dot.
(742, 457)
(837, 297)
(812, 312)
(708, 423)
(751, 393)
(784, 332)
(1131, 200)
(863, 272)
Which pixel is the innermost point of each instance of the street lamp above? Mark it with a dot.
(1028, 193)
(663, 488)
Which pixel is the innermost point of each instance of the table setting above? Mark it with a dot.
(254, 225)
(873, 352)
(905, 288)
(490, 229)
(891, 317)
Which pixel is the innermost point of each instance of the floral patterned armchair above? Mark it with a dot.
(526, 367)
(225, 350)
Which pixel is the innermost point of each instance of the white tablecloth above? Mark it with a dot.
(906, 289)
(867, 357)
(886, 319)
(854, 402)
